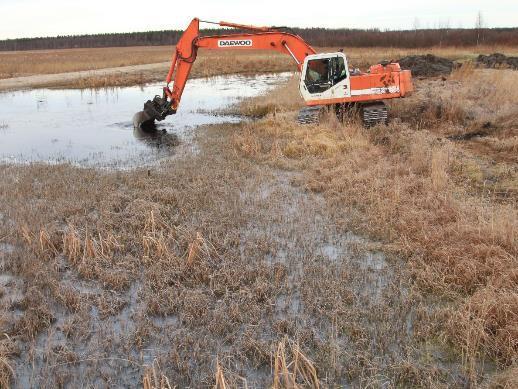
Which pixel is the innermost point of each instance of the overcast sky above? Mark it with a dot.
(30, 18)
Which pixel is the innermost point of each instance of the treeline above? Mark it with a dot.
(410, 38)
(315, 36)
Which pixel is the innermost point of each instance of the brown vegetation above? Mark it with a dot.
(444, 200)
(204, 259)
(26, 63)
(16, 64)
(209, 63)
(245, 263)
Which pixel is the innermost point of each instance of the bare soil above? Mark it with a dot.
(427, 65)
(496, 60)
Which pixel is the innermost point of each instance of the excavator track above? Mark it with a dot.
(374, 113)
(370, 113)
(310, 115)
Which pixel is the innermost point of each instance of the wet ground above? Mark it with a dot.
(298, 230)
(94, 127)
(295, 271)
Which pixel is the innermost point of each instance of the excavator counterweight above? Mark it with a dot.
(326, 80)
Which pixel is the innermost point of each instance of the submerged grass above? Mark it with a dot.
(190, 275)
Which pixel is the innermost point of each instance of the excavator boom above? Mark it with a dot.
(185, 54)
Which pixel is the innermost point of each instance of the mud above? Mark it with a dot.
(497, 60)
(427, 65)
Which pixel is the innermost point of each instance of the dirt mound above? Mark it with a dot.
(497, 60)
(426, 65)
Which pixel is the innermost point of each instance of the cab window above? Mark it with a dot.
(322, 74)
(317, 75)
(340, 72)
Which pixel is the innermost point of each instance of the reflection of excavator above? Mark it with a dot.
(325, 78)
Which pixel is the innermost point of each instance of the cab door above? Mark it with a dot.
(325, 77)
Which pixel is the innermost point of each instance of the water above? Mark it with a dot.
(94, 127)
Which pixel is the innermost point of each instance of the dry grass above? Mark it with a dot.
(364, 57)
(415, 192)
(209, 63)
(292, 369)
(238, 266)
(214, 266)
(6, 371)
(506, 380)
(155, 380)
(476, 109)
(286, 100)
(24, 63)
(109, 81)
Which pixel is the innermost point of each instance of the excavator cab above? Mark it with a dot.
(325, 76)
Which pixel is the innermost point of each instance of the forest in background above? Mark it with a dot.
(322, 37)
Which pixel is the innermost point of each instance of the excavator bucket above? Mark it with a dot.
(143, 121)
(154, 110)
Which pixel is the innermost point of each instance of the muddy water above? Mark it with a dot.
(94, 127)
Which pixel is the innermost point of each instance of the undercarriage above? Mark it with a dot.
(371, 113)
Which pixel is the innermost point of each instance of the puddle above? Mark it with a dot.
(6, 248)
(94, 127)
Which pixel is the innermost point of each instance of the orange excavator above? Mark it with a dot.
(326, 80)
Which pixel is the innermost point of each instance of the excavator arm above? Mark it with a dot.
(259, 38)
